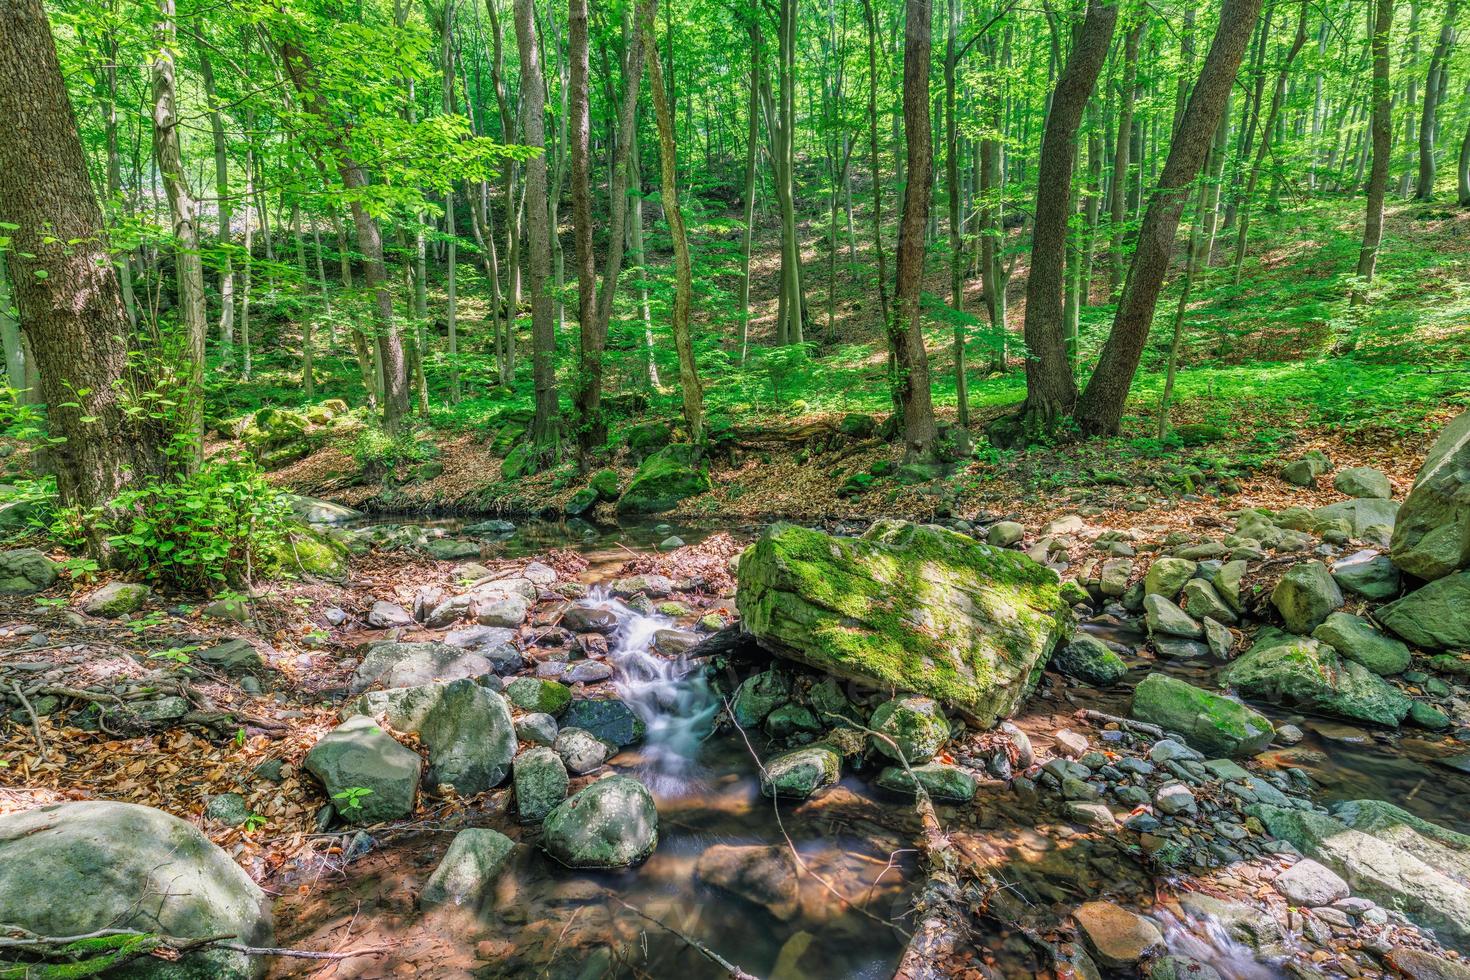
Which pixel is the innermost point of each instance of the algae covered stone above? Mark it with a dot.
(1357, 639)
(1435, 617)
(799, 774)
(611, 824)
(661, 481)
(942, 782)
(1089, 659)
(1213, 724)
(1310, 674)
(910, 729)
(1432, 536)
(907, 607)
(1305, 596)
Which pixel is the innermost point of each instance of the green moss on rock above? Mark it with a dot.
(670, 475)
(1209, 722)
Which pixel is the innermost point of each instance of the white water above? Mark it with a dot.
(1206, 940)
(670, 695)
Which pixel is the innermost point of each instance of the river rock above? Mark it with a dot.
(313, 510)
(1116, 938)
(1089, 659)
(475, 858)
(1211, 723)
(611, 824)
(1305, 596)
(609, 719)
(1388, 856)
(673, 643)
(1164, 617)
(590, 619)
(915, 727)
(1167, 576)
(907, 607)
(71, 869)
(758, 695)
(1004, 534)
(664, 479)
(359, 755)
(1180, 968)
(1432, 536)
(652, 586)
(470, 736)
(799, 774)
(581, 751)
(537, 728)
(25, 570)
(1435, 617)
(764, 876)
(1202, 601)
(941, 781)
(1305, 672)
(1363, 481)
(1366, 519)
(507, 611)
(402, 709)
(1310, 884)
(1420, 964)
(540, 779)
(1368, 574)
(415, 664)
(1357, 639)
(539, 694)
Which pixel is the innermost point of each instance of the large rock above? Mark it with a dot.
(611, 824)
(1089, 659)
(116, 599)
(1310, 884)
(312, 510)
(909, 729)
(939, 780)
(72, 869)
(470, 736)
(765, 876)
(907, 607)
(1361, 517)
(1214, 724)
(1310, 674)
(661, 481)
(1363, 482)
(1368, 574)
(1387, 856)
(799, 774)
(474, 860)
(1116, 937)
(368, 775)
(1305, 596)
(541, 783)
(609, 719)
(1357, 639)
(1432, 536)
(25, 570)
(758, 695)
(1435, 617)
(415, 664)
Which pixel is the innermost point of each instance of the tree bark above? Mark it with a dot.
(1434, 86)
(1101, 408)
(591, 429)
(752, 150)
(222, 208)
(1118, 195)
(1051, 390)
(1382, 133)
(65, 284)
(906, 329)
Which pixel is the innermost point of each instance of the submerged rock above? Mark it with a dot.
(799, 774)
(1432, 536)
(611, 824)
(1305, 672)
(1210, 722)
(71, 869)
(765, 876)
(909, 607)
(1117, 938)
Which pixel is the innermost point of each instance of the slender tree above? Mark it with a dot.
(1382, 146)
(1434, 88)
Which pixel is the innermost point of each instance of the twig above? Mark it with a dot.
(709, 954)
(1089, 714)
(35, 722)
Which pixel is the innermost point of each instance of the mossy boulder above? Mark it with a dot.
(25, 570)
(908, 607)
(611, 824)
(1432, 536)
(539, 694)
(799, 774)
(276, 437)
(758, 695)
(1305, 672)
(605, 484)
(1306, 596)
(915, 729)
(1435, 617)
(648, 438)
(1214, 724)
(519, 462)
(669, 476)
(116, 599)
(1091, 660)
(306, 551)
(1357, 639)
(856, 425)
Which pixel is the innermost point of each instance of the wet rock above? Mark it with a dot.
(587, 672)
(116, 599)
(540, 780)
(537, 728)
(764, 876)
(470, 737)
(1363, 481)
(972, 624)
(652, 586)
(1180, 968)
(940, 781)
(915, 727)
(1356, 639)
(1435, 617)
(758, 695)
(416, 664)
(1426, 715)
(539, 695)
(791, 719)
(1116, 938)
(1432, 536)
(1310, 884)
(1089, 659)
(1209, 722)
(608, 719)
(590, 619)
(75, 868)
(1166, 576)
(580, 750)
(672, 642)
(476, 857)
(611, 824)
(1419, 964)
(388, 615)
(1304, 672)
(799, 774)
(368, 775)
(1164, 617)
(1369, 574)
(1305, 596)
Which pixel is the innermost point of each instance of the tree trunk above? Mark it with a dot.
(1051, 390)
(308, 371)
(545, 426)
(906, 329)
(1118, 204)
(591, 428)
(753, 133)
(956, 228)
(188, 263)
(874, 165)
(689, 383)
(222, 206)
(1434, 85)
(66, 286)
(1382, 130)
(1101, 407)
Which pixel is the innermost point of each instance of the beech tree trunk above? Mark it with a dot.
(65, 284)
(1382, 135)
(1118, 191)
(1051, 389)
(222, 207)
(1101, 407)
(1433, 90)
(906, 329)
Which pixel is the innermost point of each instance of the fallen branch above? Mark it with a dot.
(35, 722)
(699, 947)
(1102, 717)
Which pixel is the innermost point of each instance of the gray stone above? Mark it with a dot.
(232, 657)
(609, 719)
(1305, 596)
(1228, 582)
(313, 510)
(1432, 536)
(581, 751)
(368, 775)
(229, 809)
(537, 728)
(1360, 516)
(1363, 481)
(1004, 534)
(1172, 799)
(541, 780)
(611, 824)
(1163, 616)
(758, 695)
(452, 549)
(1201, 599)
(1218, 638)
(506, 611)
(475, 858)
(416, 664)
(940, 781)
(116, 599)
(1305, 672)
(1357, 639)
(470, 737)
(1310, 884)
(72, 869)
(25, 570)
(388, 615)
(1369, 574)
(1089, 659)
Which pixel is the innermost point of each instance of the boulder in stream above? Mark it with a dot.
(764, 876)
(1435, 617)
(474, 860)
(70, 869)
(1432, 536)
(1117, 938)
(611, 824)
(1212, 723)
(799, 774)
(1297, 670)
(908, 607)
(609, 719)
(540, 781)
(1089, 659)
(915, 729)
(941, 781)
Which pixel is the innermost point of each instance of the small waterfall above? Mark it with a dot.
(670, 695)
(1206, 939)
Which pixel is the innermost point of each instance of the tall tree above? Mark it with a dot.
(591, 431)
(1118, 190)
(1382, 146)
(906, 328)
(1051, 389)
(1434, 90)
(1101, 407)
(65, 284)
